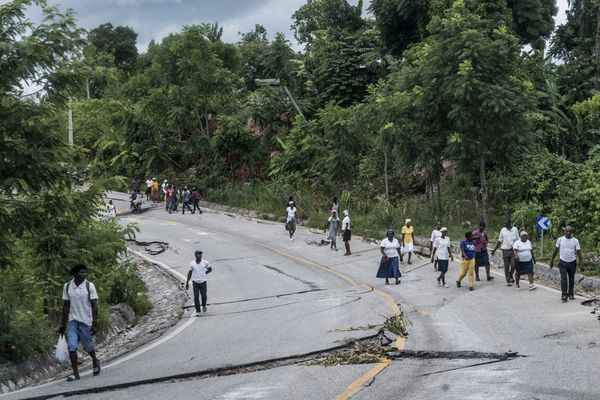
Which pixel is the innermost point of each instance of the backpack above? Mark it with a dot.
(87, 286)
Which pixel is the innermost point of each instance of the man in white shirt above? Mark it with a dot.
(197, 272)
(434, 235)
(346, 232)
(507, 238)
(148, 188)
(570, 250)
(80, 313)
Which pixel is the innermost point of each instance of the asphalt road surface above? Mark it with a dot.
(273, 302)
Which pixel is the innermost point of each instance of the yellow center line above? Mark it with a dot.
(358, 384)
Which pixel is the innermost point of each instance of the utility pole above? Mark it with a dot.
(277, 82)
(70, 122)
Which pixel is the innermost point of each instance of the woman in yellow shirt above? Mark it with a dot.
(407, 239)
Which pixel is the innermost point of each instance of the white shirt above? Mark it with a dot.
(523, 249)
(80, 307)
(112, 210)
(335, 207)
(442, 244)
(149, 183)
(434, 235)
(199, 270)
(567, 248)
(291, 213)
(390, 248)
(346, 223)
(508, 237)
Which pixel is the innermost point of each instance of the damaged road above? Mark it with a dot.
(292, 320)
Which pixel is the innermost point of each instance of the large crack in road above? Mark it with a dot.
(346, 351)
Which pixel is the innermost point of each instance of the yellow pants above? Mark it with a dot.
(467, 266)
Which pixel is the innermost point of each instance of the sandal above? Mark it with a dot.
(72, 378)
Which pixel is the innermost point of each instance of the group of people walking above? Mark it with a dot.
(332, 227)
(517, 256)
(173, 196)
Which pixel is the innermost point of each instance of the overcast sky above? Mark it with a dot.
(155, 19)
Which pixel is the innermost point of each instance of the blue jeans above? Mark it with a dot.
(79, 332)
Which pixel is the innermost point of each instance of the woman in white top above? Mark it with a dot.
(389, 267)
(290, 224)
(112, 210)
(335, 206)
(523, 251)
(443, 249)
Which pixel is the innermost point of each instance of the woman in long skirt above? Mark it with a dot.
(389, 267)
(525, 260)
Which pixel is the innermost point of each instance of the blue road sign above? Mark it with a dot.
(542, 223)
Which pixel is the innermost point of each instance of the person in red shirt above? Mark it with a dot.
(482, 258)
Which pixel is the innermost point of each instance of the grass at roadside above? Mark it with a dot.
(371, 218)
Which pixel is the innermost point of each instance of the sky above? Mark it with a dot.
(155, 19)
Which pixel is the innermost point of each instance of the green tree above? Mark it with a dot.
(119, 42)
(488, 102)
(318, 15)
(401, 22)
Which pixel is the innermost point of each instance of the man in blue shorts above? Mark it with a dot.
(80, 314)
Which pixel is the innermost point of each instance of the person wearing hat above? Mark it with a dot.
(155, 194)
(346, 232)
(389, 267)
(197, 272)
(525, 259)
(443, 249)
(407, 239)
(434, 235)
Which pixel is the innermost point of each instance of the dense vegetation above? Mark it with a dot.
(439, 110)
(47, 225)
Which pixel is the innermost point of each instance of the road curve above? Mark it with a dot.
(270, 298)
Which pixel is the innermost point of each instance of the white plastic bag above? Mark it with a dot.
(62, 350)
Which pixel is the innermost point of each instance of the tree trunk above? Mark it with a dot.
(385, 175)
(439, 190)
(87, 88)
(597, 50)
(482, 178)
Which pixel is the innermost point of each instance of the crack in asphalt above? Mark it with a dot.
(312, 285)
(267, 297)
(556, 334)
(465, 367)
(451, 355)
(278, 306)
(213, 372)
(163, 246)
